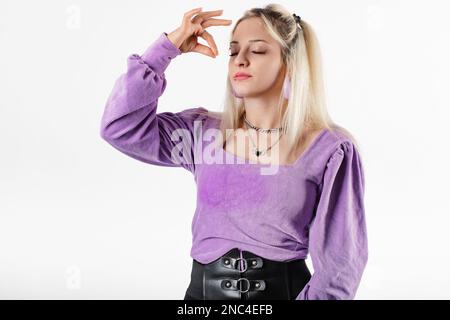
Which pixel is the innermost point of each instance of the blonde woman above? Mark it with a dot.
(253, 229)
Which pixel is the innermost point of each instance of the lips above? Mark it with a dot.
(241, 76)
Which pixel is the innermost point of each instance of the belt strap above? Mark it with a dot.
(239, 284)
(233, 263)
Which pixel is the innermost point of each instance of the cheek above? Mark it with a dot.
(268, 73)
(267, 66)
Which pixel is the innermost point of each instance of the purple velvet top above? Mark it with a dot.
(314, 205)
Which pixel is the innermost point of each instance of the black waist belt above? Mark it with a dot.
(247, 277)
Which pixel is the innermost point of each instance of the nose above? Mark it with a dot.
(241, 60)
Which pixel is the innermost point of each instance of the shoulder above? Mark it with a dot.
(328, 140)
(202, 112)
(198, 120)
(346, 144)
(331, 143)
(208, 118)
(342, 139)
(199, 113)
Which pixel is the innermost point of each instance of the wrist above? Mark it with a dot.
(176, 38)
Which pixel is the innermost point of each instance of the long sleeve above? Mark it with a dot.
(337, 236)
(130, 122)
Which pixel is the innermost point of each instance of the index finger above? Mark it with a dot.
(208, 14)
(191, 13)
(201, 17)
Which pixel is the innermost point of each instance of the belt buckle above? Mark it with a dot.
(240, 286)
(245, 264)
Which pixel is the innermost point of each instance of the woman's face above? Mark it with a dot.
(262, 60)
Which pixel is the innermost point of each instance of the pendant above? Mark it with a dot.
(257, 152)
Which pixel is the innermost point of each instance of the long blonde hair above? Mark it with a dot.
(306, 107)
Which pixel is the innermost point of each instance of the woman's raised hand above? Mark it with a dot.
(185, 36)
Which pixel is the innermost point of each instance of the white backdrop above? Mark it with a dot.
(79, 220)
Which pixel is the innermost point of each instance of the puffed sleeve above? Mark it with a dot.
(130, 121)
(338, 243)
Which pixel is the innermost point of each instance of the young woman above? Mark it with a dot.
(253, 228)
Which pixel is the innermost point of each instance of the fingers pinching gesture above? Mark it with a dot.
(194, 25)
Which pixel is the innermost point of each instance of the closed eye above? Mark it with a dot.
(233, 54)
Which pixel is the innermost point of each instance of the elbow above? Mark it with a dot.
(106, 134)
(103, 133)
(112, 130)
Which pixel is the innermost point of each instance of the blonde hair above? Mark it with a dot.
(306, 107)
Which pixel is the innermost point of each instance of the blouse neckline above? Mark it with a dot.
(292, 165)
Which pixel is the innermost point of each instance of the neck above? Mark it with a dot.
(263, 113)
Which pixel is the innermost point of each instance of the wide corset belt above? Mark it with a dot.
(248, 277)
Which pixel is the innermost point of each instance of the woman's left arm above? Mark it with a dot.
(338, 236)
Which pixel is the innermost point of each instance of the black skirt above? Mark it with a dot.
(243, 275)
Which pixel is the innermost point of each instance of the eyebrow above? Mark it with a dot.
(255, 40)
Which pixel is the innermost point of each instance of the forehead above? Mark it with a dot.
(251, 30)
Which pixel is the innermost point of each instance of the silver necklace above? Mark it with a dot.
(255, 149)
(260, 129)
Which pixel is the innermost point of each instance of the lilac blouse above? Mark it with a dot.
(314, 205)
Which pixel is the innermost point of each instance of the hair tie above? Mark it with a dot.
(298, 19)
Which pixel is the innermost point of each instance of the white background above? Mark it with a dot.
(79, 220)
